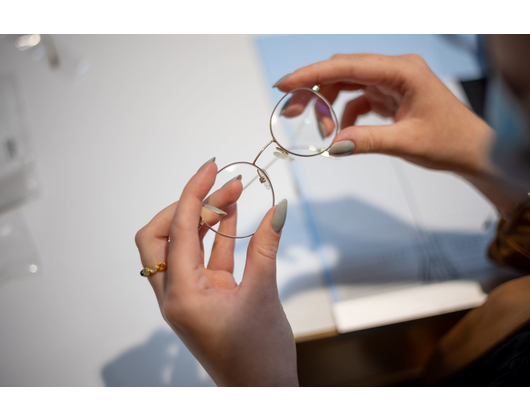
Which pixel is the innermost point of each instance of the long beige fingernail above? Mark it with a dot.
(206, 163)
(281, 80)
(240, 177)
(214, 209)
(280, 215)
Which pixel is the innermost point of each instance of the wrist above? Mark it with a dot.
(476, 155)
(489, 180)
(478, 169)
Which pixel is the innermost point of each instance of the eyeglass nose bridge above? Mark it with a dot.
(280, 152)
(264, 148)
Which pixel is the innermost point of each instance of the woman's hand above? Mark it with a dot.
(239, 333)
(431, 128)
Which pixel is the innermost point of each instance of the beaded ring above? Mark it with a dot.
(147, 271)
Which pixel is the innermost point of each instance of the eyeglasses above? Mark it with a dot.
(302, 124)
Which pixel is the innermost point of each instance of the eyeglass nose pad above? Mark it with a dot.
(264, 179)
(316, 88)
(283, 155)
(326, 154)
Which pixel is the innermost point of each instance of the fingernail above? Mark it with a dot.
(279, 216)
(240, 177)
(206, 163)
(281, 80)
(214, 209)
(342, 148)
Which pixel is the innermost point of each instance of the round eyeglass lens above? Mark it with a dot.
(238, 201)
(303, 123)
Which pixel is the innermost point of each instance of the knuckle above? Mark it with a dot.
(140, 236)
(410, 57)
(339, 55)
(373, 141)
(416, 59)
(267, 250)
(178, 226)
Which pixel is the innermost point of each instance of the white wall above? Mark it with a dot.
(114, 147)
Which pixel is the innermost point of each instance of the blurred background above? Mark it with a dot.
(98, 133)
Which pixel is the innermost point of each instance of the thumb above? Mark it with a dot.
(386, 139)
(260, 267)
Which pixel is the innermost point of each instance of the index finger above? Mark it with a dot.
(184, 247)
(357, 69)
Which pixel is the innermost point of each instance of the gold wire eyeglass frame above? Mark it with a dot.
(262, 173)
